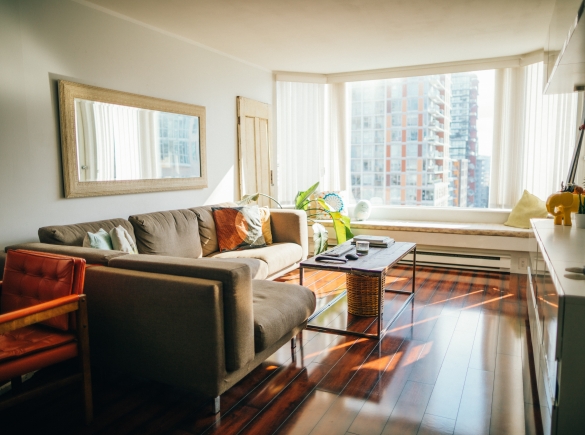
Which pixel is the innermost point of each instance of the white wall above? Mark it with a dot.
(42, 41)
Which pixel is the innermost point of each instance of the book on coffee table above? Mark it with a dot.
(375, 241)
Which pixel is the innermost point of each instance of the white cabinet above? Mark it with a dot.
(566, 48)
(556, 311)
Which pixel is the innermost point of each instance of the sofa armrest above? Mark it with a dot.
(90, 255)
(290, 226)
(166, 328)
(236, 280)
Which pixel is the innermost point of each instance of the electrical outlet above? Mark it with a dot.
(522, 263)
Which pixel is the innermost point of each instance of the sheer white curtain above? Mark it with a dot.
(534, 136)
(310, 137)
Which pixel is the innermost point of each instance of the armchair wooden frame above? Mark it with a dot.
(38, 313)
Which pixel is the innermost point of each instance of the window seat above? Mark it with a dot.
(475, 229)
(457, 237)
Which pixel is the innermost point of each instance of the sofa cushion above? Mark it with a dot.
(277, 256)
(174, 233)
(207, 227)
(73, 235)
(278, 308)
(90, 255)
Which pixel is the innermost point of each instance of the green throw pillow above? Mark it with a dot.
(99, 240)
(529, 206)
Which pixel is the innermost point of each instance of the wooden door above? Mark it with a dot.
(254, 133)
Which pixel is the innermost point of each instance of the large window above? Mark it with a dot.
(434, 140)
(447, 145)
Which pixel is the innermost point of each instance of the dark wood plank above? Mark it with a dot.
(507, 416)
(435, 425)
(272, 417)
(308, 414)
(376, 410)
(483, 356)
(474, 414)
(347, 366)
(409, 410)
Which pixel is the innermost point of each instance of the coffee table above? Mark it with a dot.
(375, 264)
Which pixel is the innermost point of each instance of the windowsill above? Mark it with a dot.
(433, 214)
(437, 214)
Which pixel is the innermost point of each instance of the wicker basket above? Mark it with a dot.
(363, 293)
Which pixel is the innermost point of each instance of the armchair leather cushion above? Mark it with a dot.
(173, 233)
(29, 340)
(30, 280)
(42, 348)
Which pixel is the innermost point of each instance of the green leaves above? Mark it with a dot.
(302, 199)
(320, 236)
(341, 224)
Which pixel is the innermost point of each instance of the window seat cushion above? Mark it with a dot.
(478, 229)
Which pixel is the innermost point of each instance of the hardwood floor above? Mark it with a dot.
(452, 363)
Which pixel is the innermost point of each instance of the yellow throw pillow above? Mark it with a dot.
(528, 207)
(265, 220)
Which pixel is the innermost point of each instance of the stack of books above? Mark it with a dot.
(375, 241)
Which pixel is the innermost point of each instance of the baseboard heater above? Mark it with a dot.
(461, 260)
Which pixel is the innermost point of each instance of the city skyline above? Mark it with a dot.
(406, 148)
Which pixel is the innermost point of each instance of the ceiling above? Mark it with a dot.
(333, 36)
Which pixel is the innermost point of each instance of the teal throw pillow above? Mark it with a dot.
(99, 240)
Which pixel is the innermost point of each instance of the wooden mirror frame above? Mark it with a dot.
(69, 91)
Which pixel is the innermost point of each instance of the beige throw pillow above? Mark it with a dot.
(529, 206)
(265, 220)
(122, 240)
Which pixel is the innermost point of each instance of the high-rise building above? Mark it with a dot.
(458, 183)
(400, 140)
(463, 134)
(482, 175)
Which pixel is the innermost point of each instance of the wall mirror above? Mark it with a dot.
(116, 142)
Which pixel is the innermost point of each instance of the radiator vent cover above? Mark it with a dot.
(461, 260)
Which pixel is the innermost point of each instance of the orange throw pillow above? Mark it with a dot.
(238, 228)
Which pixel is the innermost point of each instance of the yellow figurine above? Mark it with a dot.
(561, 205)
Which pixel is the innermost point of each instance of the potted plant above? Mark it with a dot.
(580, 216)
(314, 207)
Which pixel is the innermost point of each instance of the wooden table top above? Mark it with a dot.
(377, 260)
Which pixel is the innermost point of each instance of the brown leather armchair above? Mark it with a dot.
(39, 295)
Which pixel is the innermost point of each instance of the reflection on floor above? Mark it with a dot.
(455, 361)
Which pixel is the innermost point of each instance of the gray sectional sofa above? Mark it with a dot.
(180, 312)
